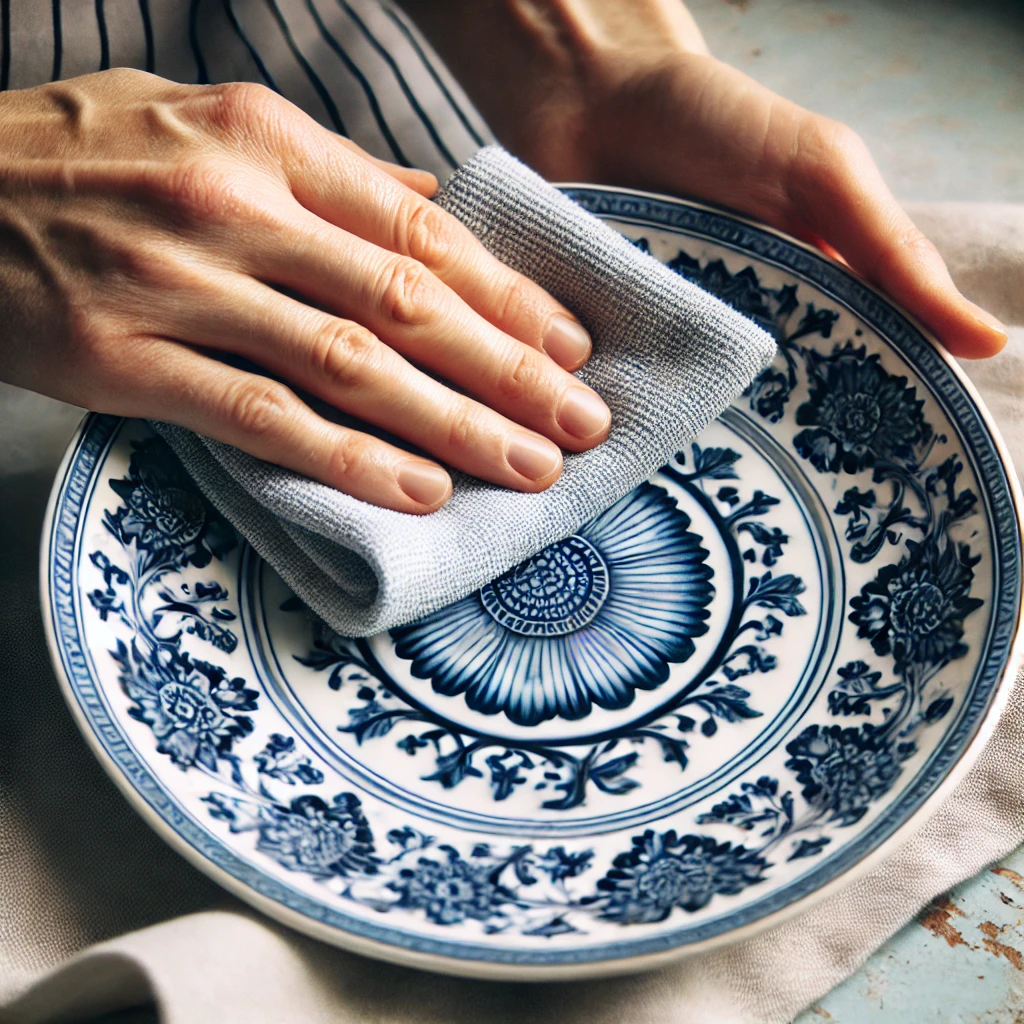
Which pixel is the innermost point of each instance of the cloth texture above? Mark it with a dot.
(96, 913)
(667, 359)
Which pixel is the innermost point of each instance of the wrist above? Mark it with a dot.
(545, 74)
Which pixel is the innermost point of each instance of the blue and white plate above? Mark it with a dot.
(724, 696)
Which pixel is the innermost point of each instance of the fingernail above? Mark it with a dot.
(566, 341)
(985, 317)
(423, 483)
(531, 456)
(582, 413)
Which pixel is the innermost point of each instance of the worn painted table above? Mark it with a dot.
(936, 88)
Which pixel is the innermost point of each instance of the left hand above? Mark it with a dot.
(625, 92)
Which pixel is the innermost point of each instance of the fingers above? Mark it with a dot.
(334, 180)
(407, 224)
(379, 208)
(410, 309)
(842, 197)
(738, 144)
(348, 366)
(267, 420)
(419, 181)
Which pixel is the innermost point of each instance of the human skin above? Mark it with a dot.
(625, 92)
(158, 240)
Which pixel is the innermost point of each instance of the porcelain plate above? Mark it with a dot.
(721, 698)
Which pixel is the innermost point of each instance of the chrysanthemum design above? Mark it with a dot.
(665, 871)
(164, 516)
(844, 770)
(589, 620)
(193, 707)
(915, 609)
(319, 838)
(858, 414)
(450, 889)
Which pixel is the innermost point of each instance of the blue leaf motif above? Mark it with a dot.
(809, 848)
(779, 593)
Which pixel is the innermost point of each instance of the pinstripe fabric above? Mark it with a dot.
(357, 66)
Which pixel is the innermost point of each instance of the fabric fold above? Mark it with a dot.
(668, 358)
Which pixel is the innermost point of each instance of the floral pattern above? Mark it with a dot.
(654, 574)
(193, 709)
(449, 889)
(589, 620)
(857, 415)
(915, 609)
(858, 421)
(662, 872)
(843, 770)
(309, 835)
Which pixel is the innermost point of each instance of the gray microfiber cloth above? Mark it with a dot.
(668, 358)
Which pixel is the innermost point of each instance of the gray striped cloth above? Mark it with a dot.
(359, 67)
(668, 358)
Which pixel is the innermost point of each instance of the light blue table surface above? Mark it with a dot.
(936, 88)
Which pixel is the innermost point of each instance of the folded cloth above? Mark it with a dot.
(668, 358)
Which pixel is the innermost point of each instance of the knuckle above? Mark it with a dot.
(240, 105)
(513, 295)
(910, 238)
(464, 426)
(345, 354)
(348, 456)
(430, 234)
(128, 79)
(905, 241)
(408, 295)
(258, 407)
(828, 151)
(521, 374)
(203, 190)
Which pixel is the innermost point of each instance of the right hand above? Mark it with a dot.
(148, 227)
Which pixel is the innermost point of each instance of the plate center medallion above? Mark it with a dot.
(617, 672)
(556, 592)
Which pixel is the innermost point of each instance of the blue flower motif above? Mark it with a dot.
(916, 608)
(857, 414)
(321, 839)
(844, 770)
(664, 871)
(767, 307)
(191, 706)
(589, 620)
(281, 760)
(451, 889)
(164, 514)
(769, 391)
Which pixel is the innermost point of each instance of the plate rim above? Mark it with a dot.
(605, 967)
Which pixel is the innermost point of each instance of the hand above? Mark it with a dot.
(624, 92)
(148, 229)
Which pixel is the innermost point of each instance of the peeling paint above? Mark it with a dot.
(1000, 949)
(938, 920)
(1013, 876)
